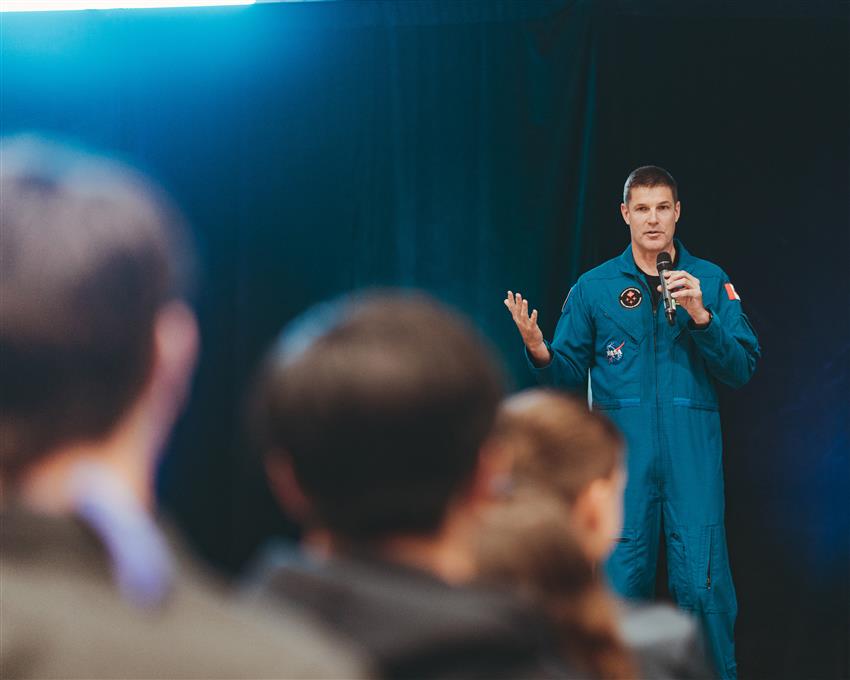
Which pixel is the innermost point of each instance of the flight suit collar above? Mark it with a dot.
(628, 266)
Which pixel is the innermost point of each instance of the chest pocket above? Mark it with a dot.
(616, 373)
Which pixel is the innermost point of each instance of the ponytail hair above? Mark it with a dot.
(528, 545)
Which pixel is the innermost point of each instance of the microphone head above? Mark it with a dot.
(663, 261)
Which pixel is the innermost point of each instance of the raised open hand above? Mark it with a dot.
(526, 323)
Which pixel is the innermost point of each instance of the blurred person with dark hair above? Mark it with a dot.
(376, 414)
(558, 449)
(97, 350)
(653, 361)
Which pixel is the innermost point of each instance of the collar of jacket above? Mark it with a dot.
(628, 266)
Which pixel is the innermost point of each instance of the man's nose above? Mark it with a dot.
(653, 217)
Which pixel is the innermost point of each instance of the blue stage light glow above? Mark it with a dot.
(66, 5)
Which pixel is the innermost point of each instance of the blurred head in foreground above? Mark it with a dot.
(97, 343)
(376, 413)
(98, 347)
(556, 444)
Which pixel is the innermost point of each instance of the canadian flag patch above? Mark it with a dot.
(731, 292)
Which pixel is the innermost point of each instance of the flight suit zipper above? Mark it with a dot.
(658, 434)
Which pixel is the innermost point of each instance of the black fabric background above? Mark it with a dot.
(471, 147)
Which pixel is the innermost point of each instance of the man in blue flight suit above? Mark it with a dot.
(657, 382)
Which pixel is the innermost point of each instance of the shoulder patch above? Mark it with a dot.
(631, 297)
(731, 292)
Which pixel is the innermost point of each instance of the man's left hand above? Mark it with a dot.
(686, 292)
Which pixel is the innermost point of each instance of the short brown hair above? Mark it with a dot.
(557, 443)
(649, 176)
(382, 402)
(89, 253)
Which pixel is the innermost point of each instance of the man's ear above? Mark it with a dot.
(493, 473)
(624, 211)
(285, 487)
(598, 513)
(598, 509)
(589, 505)
(175, 351)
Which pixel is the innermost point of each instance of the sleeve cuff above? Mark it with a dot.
(694, 327)
(530, 361)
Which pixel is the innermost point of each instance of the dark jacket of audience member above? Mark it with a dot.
(412, 622)
(376, 414)
(98, 348)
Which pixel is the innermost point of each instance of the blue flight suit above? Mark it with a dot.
(657, 383)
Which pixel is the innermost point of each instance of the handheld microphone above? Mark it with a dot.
(664, 263)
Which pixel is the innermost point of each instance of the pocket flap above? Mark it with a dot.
(634, 330)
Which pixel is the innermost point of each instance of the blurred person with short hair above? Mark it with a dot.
(97, 350)
(376, 414)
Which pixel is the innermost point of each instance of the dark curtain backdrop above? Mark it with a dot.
(471, 147)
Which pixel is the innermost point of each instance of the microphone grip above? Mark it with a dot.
(669, 301)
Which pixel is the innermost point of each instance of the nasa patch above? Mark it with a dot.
(631, 297)
(614, 352)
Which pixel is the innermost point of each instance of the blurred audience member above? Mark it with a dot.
(376, 414)
(97, 348)
(561, 450)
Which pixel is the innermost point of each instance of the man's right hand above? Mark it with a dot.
(531, 334)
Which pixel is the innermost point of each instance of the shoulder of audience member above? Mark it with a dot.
(281, 631)
(412, 623)
(667, 642)
(64, 617)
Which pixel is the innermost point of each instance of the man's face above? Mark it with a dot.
(651, 215)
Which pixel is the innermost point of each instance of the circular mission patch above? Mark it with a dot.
(630, 298)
